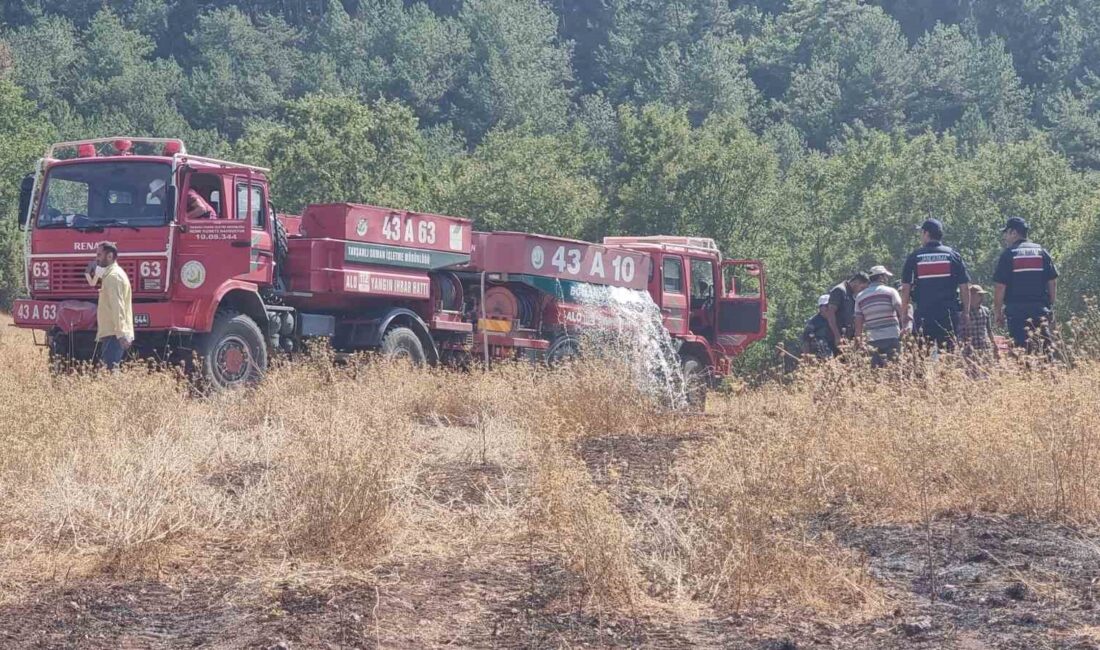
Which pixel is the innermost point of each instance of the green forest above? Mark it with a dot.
(813, 134)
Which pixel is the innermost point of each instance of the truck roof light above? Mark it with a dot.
(123, 146)
(172, 147)
(86, 150)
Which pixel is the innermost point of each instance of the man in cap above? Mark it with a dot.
(815, 335)
(935, 276)
(978, 333)
(1026, 285)
(879, 315)
(840, 313)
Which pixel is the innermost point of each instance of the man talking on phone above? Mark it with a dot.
(114, 313)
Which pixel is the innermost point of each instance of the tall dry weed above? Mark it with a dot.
(582, 525)
(341, 465)
(908, 444)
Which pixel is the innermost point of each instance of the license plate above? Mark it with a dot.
(34, 312)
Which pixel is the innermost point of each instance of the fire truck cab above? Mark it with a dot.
(713, 307)
(186, 264)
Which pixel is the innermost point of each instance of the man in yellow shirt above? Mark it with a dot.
(114, 314)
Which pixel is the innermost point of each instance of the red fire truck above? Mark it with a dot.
(234, 287)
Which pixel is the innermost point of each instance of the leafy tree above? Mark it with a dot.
(655, 142)
(718, 180)
(1075, 122)
(242, 69)
(917, 17)
(587, 24)
(389, 50)
(46, 54)
(955, 72)
(120, 87)
(646, 37)
(518, 73)
(707, 78)
(835, 63)
(25, 136)
(102, 80)
(521, 180)
(326, 149)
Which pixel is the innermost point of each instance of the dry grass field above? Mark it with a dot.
(371, 506)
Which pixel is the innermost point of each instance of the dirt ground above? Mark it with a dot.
(962, 582)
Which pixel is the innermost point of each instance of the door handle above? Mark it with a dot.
(241, 244)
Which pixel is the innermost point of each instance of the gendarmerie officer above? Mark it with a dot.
(1026, 284)
(936, 277)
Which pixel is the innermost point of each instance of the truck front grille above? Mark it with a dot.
(67, 276)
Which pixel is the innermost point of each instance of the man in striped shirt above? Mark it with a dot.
(879, 314)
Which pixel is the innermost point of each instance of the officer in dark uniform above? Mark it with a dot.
(1026, 285)
(935, 277)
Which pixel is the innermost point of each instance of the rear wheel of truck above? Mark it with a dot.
(233, 354)
(696, 380)
(563, 349)
(402, 344)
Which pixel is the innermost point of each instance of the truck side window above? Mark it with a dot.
(208, 187)
(702, 282)
(673, 273)
(259, 205)
(742, 281)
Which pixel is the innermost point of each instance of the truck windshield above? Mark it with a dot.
(97, 195)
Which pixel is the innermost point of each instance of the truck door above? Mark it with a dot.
(741, 306)
(702, 280)
(250, 206)
(209, 249)
(674, 301)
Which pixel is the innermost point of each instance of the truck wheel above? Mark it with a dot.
(233, 354)
(562, 349)
(402, 343)
(282, 250)
(695, 383)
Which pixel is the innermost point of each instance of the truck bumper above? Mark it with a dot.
(78, 316)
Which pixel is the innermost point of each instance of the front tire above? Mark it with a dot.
(233, 354)
(402, 344)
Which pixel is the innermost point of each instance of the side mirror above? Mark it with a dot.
(26, 189)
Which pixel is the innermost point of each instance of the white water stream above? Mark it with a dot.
(625, 324)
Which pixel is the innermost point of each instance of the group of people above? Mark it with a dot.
(938, 302)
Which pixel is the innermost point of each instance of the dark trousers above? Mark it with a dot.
(884, 351)
(940, 326)
(110, 351)
(1026, 319)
